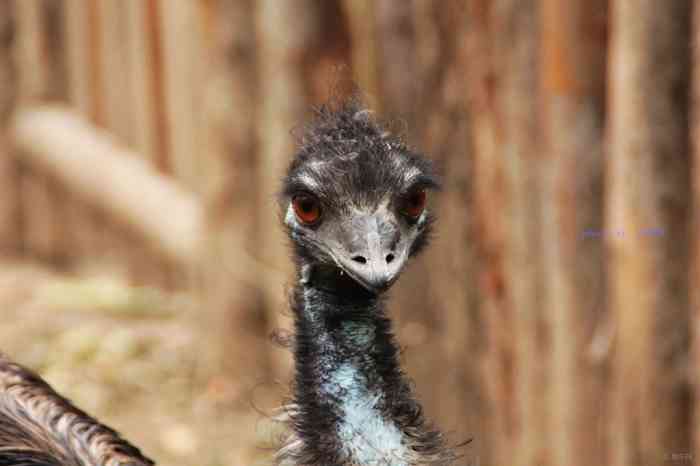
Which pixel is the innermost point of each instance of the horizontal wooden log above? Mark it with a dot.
(90, 163)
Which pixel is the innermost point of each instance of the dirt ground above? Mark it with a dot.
(129, 356)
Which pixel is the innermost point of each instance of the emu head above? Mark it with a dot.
(354, 200)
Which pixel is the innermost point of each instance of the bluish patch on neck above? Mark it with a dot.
(366, 436)
(359, 334)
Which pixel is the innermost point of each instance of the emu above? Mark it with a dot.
(354, 204)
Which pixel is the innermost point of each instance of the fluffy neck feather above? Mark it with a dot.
(353, 405)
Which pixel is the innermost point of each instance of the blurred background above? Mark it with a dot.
(144, 272)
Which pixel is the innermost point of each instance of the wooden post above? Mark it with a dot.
(572, 86)
(647, 225)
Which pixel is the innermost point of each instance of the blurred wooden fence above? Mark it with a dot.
(553, 320)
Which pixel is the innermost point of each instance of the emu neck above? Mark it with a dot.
(349, 386)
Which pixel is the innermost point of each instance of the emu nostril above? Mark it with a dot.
(389, 258)
(360, 259)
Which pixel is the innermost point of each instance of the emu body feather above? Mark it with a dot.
(40, 427)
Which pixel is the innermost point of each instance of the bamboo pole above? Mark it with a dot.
(572, 86)
(647, 191)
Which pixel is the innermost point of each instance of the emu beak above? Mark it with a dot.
(371, 251)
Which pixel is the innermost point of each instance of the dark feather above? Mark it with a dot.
(350, 164)
(40, 427)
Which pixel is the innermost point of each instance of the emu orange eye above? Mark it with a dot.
(414, 204)
(306, 208)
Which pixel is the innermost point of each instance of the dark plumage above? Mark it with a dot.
(40, 427)
(354, 204)
(365, 192)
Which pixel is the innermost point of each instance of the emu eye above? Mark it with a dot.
(413, 204)
(306, 208)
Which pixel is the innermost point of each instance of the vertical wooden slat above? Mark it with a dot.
(648, 188)
(695, 229)
(181, 26)
(398, 79)
(516, 41)
(146, 112)
(57, 90)
(396, 60)
(55, 52)
(33, 83)
(283, 30)
(328, 55)
(139, 39)
(158, 90)
(76, 26)
(572, 85)
(31, 51)
(113, 91)
(233, 306)
(494, 440)
(85, 227)
(100, 89)
(452, 396)
(10, 231)
(115, 82)
(364, 49)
